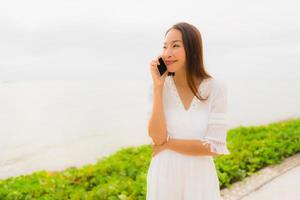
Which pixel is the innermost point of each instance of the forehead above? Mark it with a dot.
(173, 36)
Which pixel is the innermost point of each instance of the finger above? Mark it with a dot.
(157, 59)
(153, 62)
(159, 56)
(153, 68)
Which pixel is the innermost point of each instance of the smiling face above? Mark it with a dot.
(173, 51)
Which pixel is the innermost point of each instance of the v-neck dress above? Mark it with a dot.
(176, 176)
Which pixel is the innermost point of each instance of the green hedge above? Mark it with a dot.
(123, 174)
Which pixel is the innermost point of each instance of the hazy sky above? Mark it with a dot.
(61, 39)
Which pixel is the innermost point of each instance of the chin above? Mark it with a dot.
(170, 69)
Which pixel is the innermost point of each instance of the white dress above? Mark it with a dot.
(175, 176)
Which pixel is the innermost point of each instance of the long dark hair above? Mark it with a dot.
(192, 42)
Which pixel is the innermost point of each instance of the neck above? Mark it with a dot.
(180, 77)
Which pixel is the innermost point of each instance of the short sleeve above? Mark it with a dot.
(216, 132)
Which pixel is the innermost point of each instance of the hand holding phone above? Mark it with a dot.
(162, 68)
(158, 71)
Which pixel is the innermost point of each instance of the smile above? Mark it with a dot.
(170, 62)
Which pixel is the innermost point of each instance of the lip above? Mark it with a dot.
(169, 62)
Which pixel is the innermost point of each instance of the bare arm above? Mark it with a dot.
(190, 147)
(157, 124)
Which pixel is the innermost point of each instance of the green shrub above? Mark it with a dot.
(122, 176)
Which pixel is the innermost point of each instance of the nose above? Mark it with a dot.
(167, 53)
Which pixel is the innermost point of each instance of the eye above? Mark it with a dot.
(173, 46)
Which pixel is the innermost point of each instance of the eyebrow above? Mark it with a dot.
(174, 41)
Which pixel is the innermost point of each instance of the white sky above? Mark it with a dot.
(60, 34)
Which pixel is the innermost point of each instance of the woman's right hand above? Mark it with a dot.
(156, 149)
(158, 80)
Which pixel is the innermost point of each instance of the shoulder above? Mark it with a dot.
(214, 86)
(219, 84)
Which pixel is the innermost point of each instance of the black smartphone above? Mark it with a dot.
(162, 68)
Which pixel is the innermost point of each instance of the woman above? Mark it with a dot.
(187, 121)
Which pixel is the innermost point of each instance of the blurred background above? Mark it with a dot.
(75, 77)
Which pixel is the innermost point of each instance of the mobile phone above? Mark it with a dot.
(162, 68)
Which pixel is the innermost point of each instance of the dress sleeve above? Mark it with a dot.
(216, 132)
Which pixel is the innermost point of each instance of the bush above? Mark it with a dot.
(122, 176)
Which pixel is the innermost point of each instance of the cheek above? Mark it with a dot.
(181, 54)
